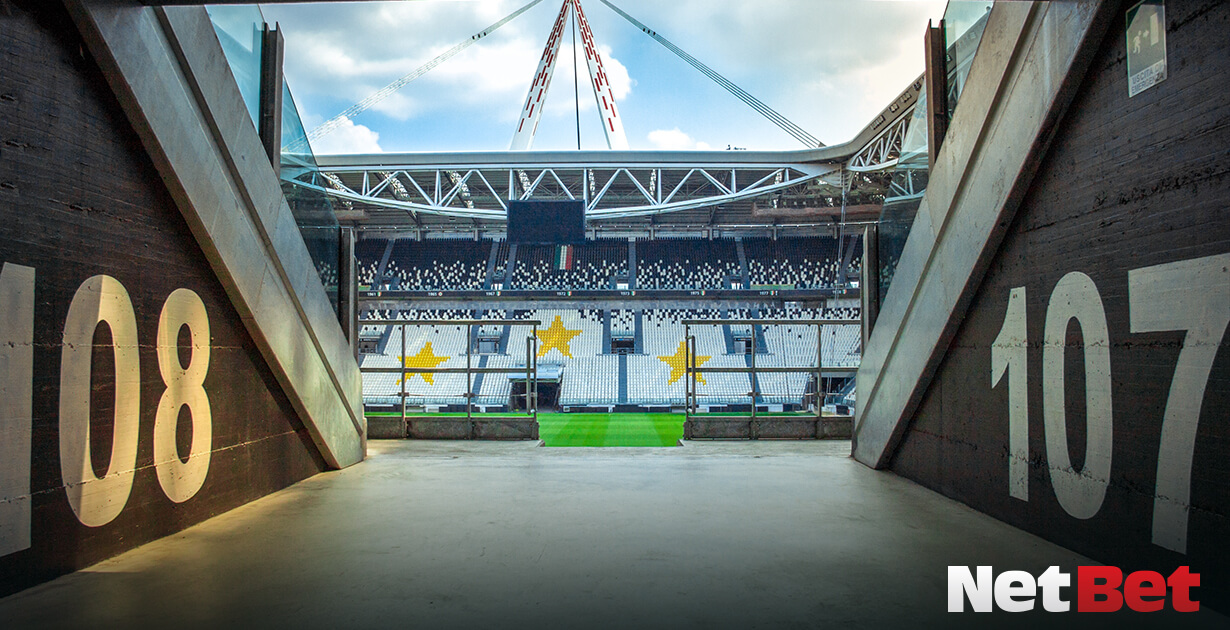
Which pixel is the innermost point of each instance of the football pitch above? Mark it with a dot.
(610, 429)
(603, 429)
(597, 429)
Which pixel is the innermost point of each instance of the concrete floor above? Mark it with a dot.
(474, 535)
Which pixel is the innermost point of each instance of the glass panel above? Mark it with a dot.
(239, 29)
(297, 153)
(312, 209)
(908, 183)
(964, 22)
(963, 16)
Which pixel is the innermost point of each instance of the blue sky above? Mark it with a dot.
(827, 65)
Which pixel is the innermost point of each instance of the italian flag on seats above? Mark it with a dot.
(563, 257)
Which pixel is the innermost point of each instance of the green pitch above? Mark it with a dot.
(595, 429)
(610, 429)
(394, 414)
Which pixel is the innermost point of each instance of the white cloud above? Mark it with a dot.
(495, 75)
(337, 62)
(621, 83)
(348, 51)
(828, 65)
(397, 106)
(675, 140)
(348, 138)
(794, 37)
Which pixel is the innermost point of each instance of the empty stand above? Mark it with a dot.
(590, 376)
(368, 253)
(438, 265)
(647, 368)
(591, 266)
(803, 263)
(686, 264)
(681, 264)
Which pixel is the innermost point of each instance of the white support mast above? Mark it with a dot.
(535, 102)
(612, 124)
(531, 113)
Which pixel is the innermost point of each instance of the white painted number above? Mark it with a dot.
(1008, 354)
(185, 387)
(1080, 493)
(98, 500)
(16, 383)
(1192, 296)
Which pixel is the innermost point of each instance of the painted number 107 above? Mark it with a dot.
(1191, 296)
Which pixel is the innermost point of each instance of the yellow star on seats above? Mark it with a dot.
(426, 358)
(557, 337)
(679, 362)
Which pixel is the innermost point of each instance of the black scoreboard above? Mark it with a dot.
(546, 222)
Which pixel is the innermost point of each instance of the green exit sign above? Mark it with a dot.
(1146, 46)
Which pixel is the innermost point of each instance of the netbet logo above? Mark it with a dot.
(1098, 589)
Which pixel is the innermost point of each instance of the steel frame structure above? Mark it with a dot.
(614, 184)
(884, 150)
(610, 189)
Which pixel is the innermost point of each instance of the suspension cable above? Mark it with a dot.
(797, 132)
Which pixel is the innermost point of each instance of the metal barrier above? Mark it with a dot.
(530, 370)
(691, 396)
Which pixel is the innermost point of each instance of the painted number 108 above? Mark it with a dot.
(1191, 296)
(97, 500)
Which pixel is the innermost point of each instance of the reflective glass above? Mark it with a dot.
(312, 209)
(964, 22)
(239, 29)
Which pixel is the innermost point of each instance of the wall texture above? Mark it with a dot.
(1125, 222)
(79, 198)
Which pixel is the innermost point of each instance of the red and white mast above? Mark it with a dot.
(612, 124)
(531, 113)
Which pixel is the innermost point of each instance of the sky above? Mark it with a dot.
(827, 65)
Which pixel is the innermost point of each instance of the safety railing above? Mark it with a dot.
(693, 370)
(530, 370)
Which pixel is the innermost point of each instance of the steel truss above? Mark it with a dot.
(610, 191)
(884, 149)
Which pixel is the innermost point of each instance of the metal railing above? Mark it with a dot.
(530, 370)
(692, 370)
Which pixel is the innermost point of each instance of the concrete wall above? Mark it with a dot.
(175, 86)
(171, 410)
(1084, 393)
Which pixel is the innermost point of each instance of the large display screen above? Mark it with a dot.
(546, 222)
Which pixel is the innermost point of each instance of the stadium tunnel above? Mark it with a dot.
(1044, 375)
